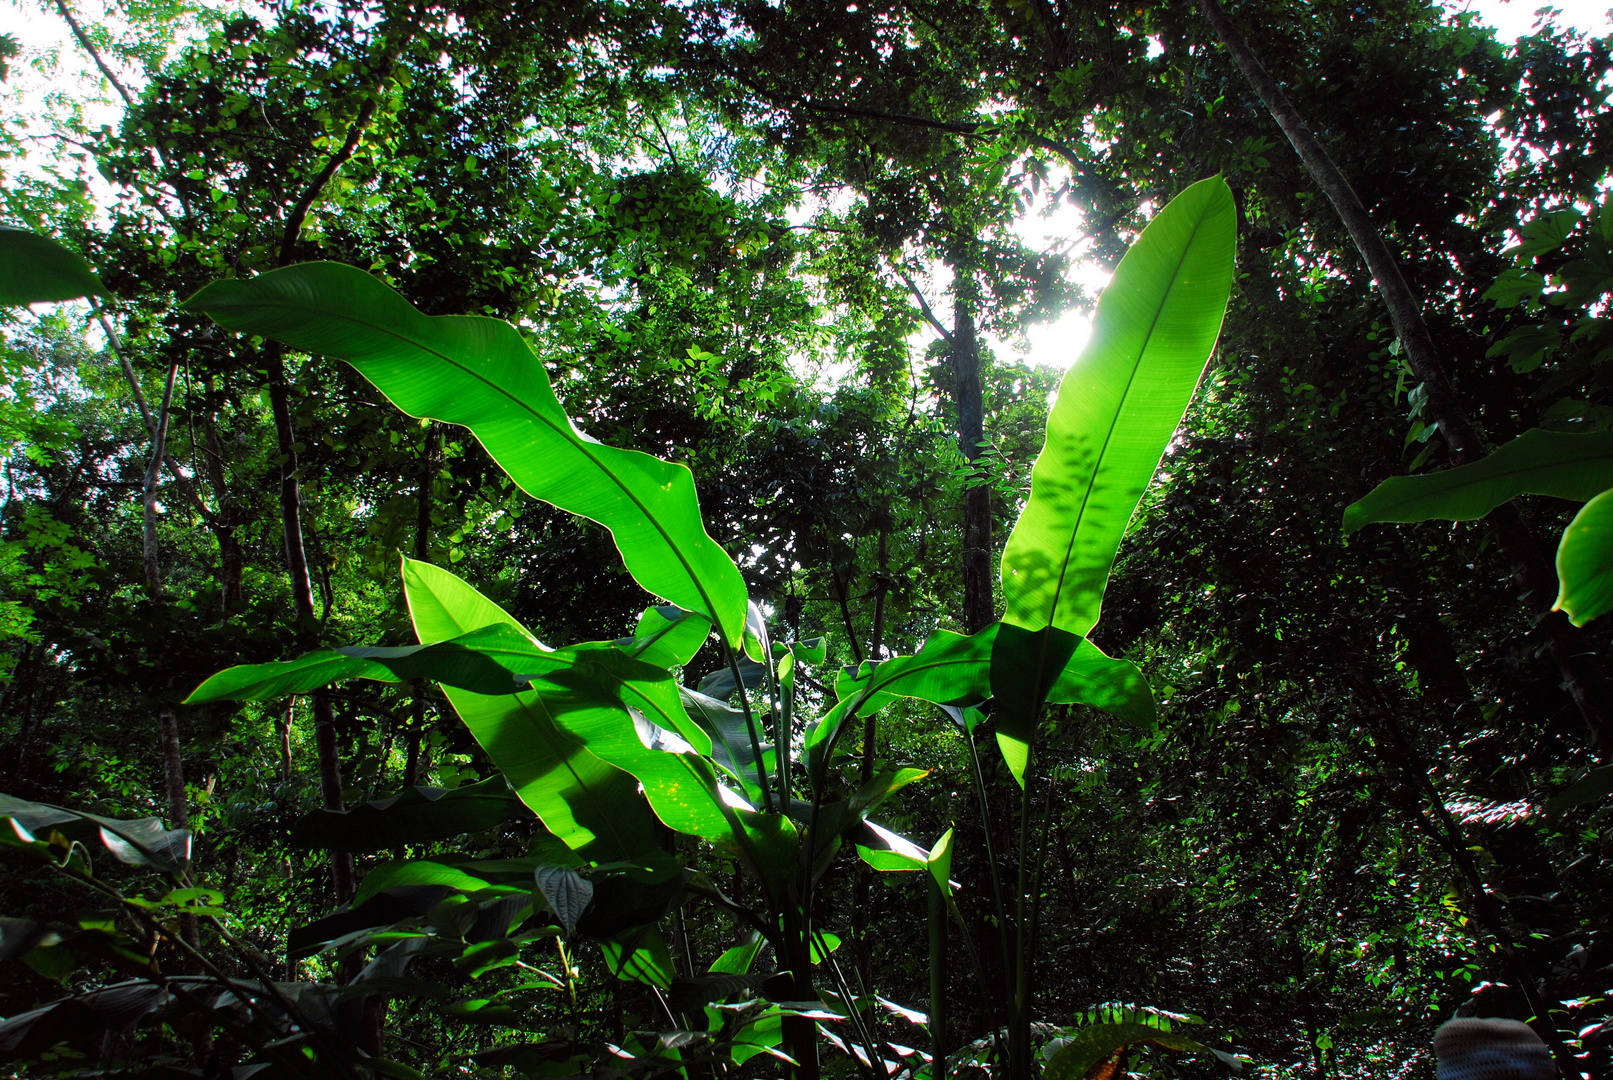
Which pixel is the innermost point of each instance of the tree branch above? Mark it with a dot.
(159, 451)
(924, 305)
(186, 488)
(95, 54)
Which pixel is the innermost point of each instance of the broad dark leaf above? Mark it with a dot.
(567, 892)
(418, 815)
(140, 842)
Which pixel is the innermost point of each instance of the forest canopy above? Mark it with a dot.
(533, 546)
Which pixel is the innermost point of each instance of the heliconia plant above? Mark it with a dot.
(604, 744)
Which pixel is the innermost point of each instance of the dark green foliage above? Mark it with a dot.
(1275, 842)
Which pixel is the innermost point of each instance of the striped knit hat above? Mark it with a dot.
(1473, 1049)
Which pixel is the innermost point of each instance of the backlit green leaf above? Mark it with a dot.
(480, 373)
(639, 955)
(1118, 407)
(667, 636)
(488, 660)
(952, 669)
(590, 804)
(593, 698)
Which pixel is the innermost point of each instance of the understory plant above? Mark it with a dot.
(653, 798)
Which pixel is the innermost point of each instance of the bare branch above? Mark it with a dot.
(924, 305)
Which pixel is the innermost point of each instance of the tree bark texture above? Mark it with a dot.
(174, 770)
(1536, 580)
(977, 595)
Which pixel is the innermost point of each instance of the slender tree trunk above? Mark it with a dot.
(864, 878)
(159, 448)
(1575, 657)
(978, 606)
(343, 878)
(431, 462)
(174, 770)
(302, 597)
(22, 687)
(232, 560)
(173, 762)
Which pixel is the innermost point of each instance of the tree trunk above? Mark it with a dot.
(800, 1033)
(232, 561)
(148, 501)
(174, 770)
(22, 687)
(302, 596)
(1575, 657)
(863, 880)
(422, 552)
(978, 606)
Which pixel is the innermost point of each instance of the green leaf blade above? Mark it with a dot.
(480, 373)
(1585, 562)
(592, 806)
(1568, 465)
(1090, 1047)
(1117, 408)
(416, 816)
(489, 660)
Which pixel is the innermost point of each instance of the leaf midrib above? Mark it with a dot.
(1131, 383)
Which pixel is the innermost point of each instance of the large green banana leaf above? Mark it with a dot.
(480, 373)
(490, 660)
(626, 713)
(1574, 466)
(414, 816)
(667, 636)
(1083, 1053)
(593, 806)
(1585, 562)
(35, 269)
(1117, 408)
